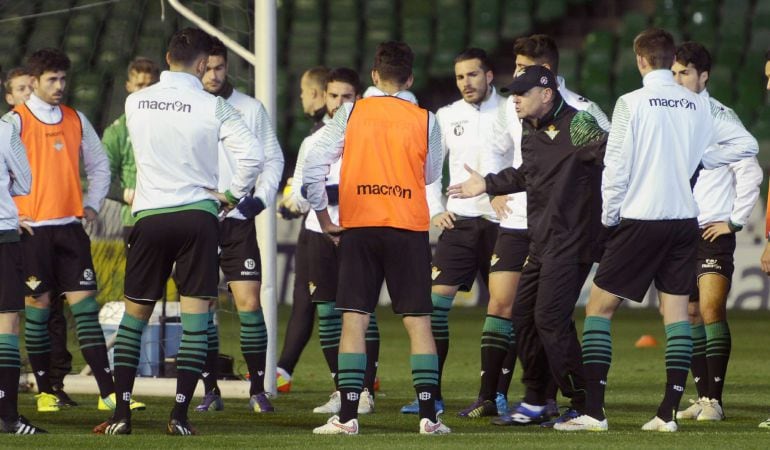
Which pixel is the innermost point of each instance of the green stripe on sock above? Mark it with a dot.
(89, 331)
(496, 332)
(329, 325)
(36, 337)
(253, 332)
(718, 339)
(439, 319)
(213, 332)
(678, 346)
(194, 345)
(597, 341)
(350, 370)
(373, 330)
(128, 342)
(9, 351)
(698, 333)
(424, 369)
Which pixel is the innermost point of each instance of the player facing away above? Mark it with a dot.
(239, 256)
(392, 150)
(175, 127)
(15, 179)
(647, 203)
(725, 198)
(56, 249)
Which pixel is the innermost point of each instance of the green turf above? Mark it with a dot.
(635, 388)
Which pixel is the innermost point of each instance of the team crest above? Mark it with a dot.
(459, 130)
(88, 275)
(435, 272)
(249, 264)
(58, 145)
(311, 287)
(551, 131)
(494, 259)
(33, 282)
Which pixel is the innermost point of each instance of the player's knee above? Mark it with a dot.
(499, 307)
(444, 290)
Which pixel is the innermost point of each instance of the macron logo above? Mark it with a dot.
(176, 106)
(672, 103)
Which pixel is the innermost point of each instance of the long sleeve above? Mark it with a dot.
(245, 147)
(114, 143)
(96, 165)
(434, 162)
(268, 181)
(433, 190)
(296, 197)
(325, 152)
(507, 181)
(732, 141)
(617, 164)
(18, 166)
(748, 177)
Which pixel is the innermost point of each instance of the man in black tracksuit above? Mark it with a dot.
(562, 151)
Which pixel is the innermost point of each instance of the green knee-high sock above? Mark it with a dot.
(352, 367)
(699, 369)
(91, 339)
(329, 331)
(38, 344)
(127, 350)
(425, 379)
(495, 343)
(372, 352)
(10, 368)
(678, 357)
(439, 322)
(718, 346)
(597, 357)
(509, 364)
(254, 347)
(190, 360)
(210, 371)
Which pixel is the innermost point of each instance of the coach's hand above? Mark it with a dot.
(500, 205)
(444, 220)
(716, 229)
(250, 207)
(765, 260)
(473, 186)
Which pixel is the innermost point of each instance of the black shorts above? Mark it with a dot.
(239, 252)
(714, 258)
(11, 279)
(511, 250)
(401, 258)
(57, 257)
(464, 251)
(323, 267)
(187, 238)
(640, 251)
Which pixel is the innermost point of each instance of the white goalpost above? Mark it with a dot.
(265, 75)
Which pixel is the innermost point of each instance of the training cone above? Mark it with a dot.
(646, 341)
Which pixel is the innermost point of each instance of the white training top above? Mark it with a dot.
(95, 161)
(175, 127)
(258, 121)
(466, 130)
(15, 175)
(728, 193)
(328, 149)
(506, 137)
(660, 134)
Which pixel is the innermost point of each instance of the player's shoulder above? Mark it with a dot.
(450, 109)
(721, 112)
(245, 102)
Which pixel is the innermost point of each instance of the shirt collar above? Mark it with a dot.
(373, 91)
(192, 81)
(658, 77)
(705, 94)
(488, 103)
(37, 104)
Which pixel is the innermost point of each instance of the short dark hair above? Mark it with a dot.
(475, 53)
(14, 73)
(346, 75)
(189, 44)
(47, 60)
(541, 48)
(695, 54)
(393, 61)
(318, 75)
(140, 64)
(218, 48)
(656, 46)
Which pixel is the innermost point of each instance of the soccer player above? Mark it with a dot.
(175, 127)
(300, 324)
(765, 259)
(469, 226)
(57, 254)
(647, 201)
(15, 179)
(142, 72)
(725, 198)
(239, 253)
(392, 151)
(560, 171)
(18, 88)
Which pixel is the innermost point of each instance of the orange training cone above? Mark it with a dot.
(646, 341)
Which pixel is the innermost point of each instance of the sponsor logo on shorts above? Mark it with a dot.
(435, 272)
(711, 264)
(494, 259)
(384, 189)
(673, 103)
(311, 287)
(88, 275)
(177, 106)
(551, 131)
(33, 282)
(250, 264)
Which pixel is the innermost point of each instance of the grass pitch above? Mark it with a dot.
(635, 387)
